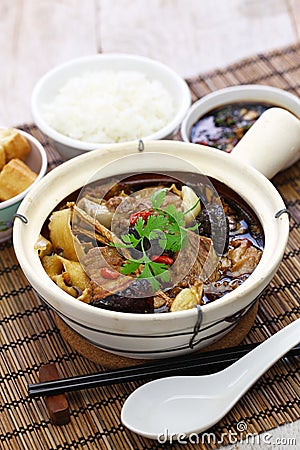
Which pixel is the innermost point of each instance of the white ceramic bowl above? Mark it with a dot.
(236, 94)
(158, 335)
(37, 161)
(48, 86)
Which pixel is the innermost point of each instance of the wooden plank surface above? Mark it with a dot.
(191, 36)
(195, 36)
(294, 12)
(36, 35)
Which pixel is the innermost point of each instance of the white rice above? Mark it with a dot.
(110, 106)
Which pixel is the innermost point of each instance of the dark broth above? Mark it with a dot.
(241, 221)
(223, 127)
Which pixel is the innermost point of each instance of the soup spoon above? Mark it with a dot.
(182, 405)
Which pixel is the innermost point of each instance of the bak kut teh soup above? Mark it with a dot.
(151, 243)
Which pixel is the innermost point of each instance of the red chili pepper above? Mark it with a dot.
(162, 259)
(106, 272)
(143, 214)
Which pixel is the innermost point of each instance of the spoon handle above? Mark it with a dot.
(275, 133)
(247, 370)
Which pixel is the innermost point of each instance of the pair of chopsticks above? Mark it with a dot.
(194, 364)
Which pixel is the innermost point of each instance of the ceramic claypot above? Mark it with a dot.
(271, 143)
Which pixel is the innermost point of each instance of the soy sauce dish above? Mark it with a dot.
(222, 118)
(104, 310)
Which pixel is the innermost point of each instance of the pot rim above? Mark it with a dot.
(37, 276)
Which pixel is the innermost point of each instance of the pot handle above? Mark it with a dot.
(272, 143)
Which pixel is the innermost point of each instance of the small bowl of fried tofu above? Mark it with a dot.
(23, 162)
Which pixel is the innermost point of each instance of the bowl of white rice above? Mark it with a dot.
(105, 99)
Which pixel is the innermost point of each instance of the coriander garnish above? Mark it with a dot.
(167, 227)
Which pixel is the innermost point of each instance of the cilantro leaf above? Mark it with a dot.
(162, 240)
(158, 268)
(126, 238)
(120, 245)
(195, 227)
(173, 243)
(146, 272)
(130, 266)
(174, 215)
(166, 226)
(130, 241)
(139, 225)
(165, 276)
(174, 228)
(155, 284)
(154, 223)
(157, 198)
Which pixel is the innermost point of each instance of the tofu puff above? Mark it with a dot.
(15, 175)
(64, 268)
(68, 275)
(13, 144)
(2, 157)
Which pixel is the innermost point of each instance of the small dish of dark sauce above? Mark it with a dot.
(223, 127)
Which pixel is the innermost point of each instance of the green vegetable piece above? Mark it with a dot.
(157, 198)
(167, 226)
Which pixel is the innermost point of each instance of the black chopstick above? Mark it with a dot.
(194, 364)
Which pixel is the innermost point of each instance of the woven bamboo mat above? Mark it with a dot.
(29, 337)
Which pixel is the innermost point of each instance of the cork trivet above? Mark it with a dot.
(112, 361)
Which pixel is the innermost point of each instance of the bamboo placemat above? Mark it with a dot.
(29, 337)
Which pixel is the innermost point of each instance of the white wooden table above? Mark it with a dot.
(191, 36)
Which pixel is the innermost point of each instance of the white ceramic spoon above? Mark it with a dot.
(190, 404)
